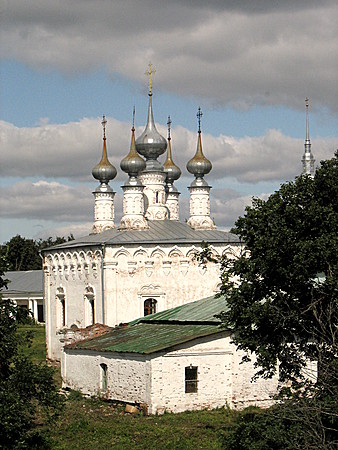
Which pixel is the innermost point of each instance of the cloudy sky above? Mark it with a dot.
(248, 64)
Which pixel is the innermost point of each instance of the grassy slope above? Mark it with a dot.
(97, 424)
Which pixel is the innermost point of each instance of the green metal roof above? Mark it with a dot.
(145, 338)
(160, 331)
(199, 311)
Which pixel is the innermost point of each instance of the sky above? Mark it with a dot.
(248, 64)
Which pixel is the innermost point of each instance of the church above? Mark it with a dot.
(129, 310)
(146, 263)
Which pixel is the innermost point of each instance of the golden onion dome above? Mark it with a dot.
(199, 165)
(172, 170)
(104, 171)
(132, 164)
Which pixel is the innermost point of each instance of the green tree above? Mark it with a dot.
(282, 291)
(23, 254)
(282, 295)
(28, 393)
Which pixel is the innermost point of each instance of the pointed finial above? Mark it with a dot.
(169, 124)
(307, 118)
(104, 123)
(151, 71)
(199, 116)
(133, 129)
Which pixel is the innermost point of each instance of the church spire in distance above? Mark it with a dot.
(308, 159)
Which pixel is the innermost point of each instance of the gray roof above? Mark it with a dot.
(22, 282)
(161, 331)
(159, 232)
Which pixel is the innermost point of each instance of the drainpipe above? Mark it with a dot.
(102, 282)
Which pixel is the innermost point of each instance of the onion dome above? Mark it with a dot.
(199, 165)
(132, 164)
(150, 144)
(173, 172)
(104, 171)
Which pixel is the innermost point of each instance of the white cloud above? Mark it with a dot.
(229, 52)
(70, 151)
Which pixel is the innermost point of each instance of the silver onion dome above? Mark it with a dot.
(170, 168)
(199, 165)
(104, 171)
(132, 164)
(151, 144)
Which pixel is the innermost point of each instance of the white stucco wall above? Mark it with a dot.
(128, 376)
(131, 274)
(213, 358)
(158, 380)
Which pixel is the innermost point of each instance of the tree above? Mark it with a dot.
(282, 294)
(28, 393)
(282, 291)
(23, 254)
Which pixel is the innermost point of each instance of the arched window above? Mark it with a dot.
(104, 377)
(149, 306)
(61, 307)
(89, 306)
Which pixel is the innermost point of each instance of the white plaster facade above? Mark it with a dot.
(157, 381)
(120, 279)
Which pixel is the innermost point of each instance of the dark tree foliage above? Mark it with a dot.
(23, 254)
(28, 393)
(282, 294)
(282, 291)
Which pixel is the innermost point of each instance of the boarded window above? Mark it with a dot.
(150, 306)
(104, 377)
(191, 379)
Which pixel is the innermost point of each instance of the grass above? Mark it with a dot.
(91, 423)
(37, 350)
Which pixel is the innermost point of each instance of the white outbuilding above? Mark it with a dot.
(175, 360)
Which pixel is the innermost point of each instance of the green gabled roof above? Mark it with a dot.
(161, 331)
(145, 338)
(203, 310)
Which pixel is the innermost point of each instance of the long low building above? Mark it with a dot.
(25, 288)
(175, 360)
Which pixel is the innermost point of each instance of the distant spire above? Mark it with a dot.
(308, 159)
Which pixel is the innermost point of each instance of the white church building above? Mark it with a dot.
(144, 267)
(145, 264)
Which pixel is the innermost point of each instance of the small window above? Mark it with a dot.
(40, 314)
(150, 306)
(61, 298)
(104, 377)
(63, 312)
(190, 379)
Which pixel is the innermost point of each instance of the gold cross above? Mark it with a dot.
(151, 71)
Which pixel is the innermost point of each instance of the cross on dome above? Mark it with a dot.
(169, 124)
(199, 116)
(104, 123)
(151, 71)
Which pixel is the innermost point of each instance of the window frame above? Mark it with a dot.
(191, 379)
